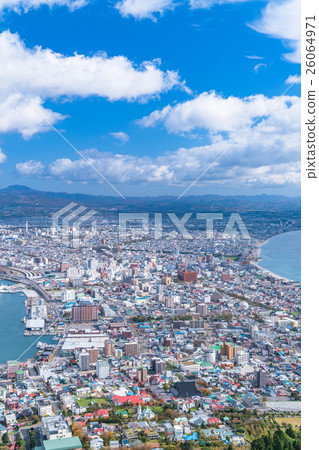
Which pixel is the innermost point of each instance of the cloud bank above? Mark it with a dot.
(265, 154)
(41, 74)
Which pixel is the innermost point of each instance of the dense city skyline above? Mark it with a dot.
(150, 224)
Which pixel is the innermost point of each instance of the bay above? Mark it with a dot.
(281, 255)
(12, 340)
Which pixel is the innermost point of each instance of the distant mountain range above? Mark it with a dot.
(21, 200)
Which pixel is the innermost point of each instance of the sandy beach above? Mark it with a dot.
(256, 264)
(274, 275)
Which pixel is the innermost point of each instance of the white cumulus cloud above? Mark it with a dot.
(3, 156)
(141, 9)
(293, 79)
(121, 136)
(26, 5)
(52, 75)
(17, 115)
(30, 168)
(149, 9)
(267, 154)
(213, 112)
(42, 74)
(281, 20)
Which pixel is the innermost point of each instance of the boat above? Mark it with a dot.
(4, 288)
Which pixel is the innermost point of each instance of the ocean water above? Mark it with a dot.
(282, 255)
(12, 340)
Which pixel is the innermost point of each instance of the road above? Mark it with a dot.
(61, 342)
(25, 434)
(20, 276)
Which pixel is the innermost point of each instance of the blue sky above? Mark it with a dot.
(151, 92)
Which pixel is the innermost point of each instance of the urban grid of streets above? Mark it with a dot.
(158, 343)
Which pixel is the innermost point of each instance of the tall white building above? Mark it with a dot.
(84, 361)
(201, 309)
(93, 264)
(74, 272)
(67, 295)
(102, 369)
(169, 301)
(210, 356)
(44, 407)
(242, 358)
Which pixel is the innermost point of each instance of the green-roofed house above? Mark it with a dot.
(20, 375)
(215, 347)
(70, 443)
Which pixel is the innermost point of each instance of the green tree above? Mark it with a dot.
(290, 431)
(297, 445)
(86, 442)
(268, 442)
(20, 443)
(278, 444)
(186, 445)
(5, 439)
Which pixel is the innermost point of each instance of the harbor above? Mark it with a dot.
(14, 341)
(35, 311)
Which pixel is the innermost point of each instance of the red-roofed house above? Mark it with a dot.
(213, 420)
(146, 397)
(101, 413)
(216, 405)
(120, 400)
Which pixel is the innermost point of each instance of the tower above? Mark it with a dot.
(102, 369)
(84, 361)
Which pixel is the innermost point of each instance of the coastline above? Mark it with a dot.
(15, 343)
(259, 264)
(272, 274)
(17, 288)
